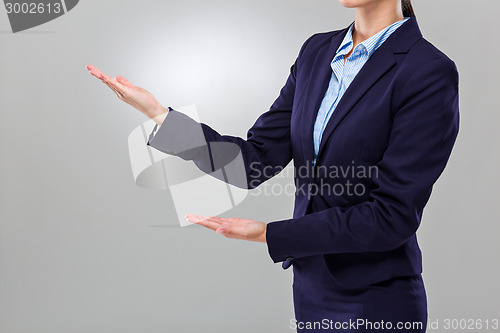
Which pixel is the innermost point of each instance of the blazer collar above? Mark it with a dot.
(377, 65)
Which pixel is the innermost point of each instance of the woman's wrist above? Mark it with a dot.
(159, 115)
(263, 238)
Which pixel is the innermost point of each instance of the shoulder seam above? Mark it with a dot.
(438, 57)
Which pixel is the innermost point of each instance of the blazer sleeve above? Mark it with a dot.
(425, 126)
(265, 152)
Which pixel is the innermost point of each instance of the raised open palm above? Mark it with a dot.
(137, 97)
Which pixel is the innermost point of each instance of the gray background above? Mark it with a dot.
(78, 252)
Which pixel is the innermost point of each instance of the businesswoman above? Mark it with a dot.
(374, 98)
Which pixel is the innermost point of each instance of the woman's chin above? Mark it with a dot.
(352, 3)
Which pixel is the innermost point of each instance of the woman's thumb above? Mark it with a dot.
(123, 81)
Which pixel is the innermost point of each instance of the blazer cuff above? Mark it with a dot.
(279, 246)
(178, 135)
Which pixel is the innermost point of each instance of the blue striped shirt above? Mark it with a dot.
(344, 73)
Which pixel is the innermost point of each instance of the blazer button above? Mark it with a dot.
(287, 263)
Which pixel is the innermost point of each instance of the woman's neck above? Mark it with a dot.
(374, 17)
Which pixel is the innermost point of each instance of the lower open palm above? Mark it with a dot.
(233, 227)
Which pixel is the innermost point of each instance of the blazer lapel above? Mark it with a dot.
(316, 89)
(377, 65)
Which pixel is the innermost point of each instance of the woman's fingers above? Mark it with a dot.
(115, 85)
(218, 224)
(94, 71)
(136, 97)
(209, 222)
(118, 93)
(237, 228)
(110, 86)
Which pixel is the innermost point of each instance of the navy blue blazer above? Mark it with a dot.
(399, 117)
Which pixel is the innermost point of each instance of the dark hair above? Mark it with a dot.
(407, 8)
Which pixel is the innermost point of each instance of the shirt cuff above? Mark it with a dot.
(157, 127)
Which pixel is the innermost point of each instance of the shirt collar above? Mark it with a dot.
(346, 44)
(371, 44)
